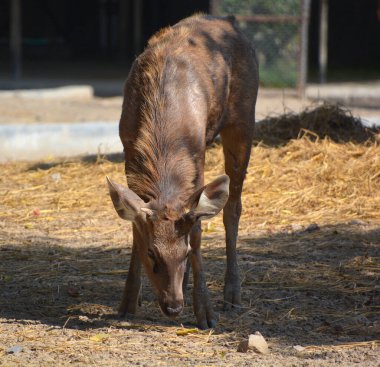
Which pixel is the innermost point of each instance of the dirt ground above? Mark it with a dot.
(309, 255)
(270, 102)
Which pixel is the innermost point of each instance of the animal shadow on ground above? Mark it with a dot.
(319, 286)
(89, 158)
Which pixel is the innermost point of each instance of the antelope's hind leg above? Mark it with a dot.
(237, 142)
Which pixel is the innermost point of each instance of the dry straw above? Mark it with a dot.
(321, 167)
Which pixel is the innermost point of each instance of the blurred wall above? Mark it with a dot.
(353, 36)
(117, 30)
(105, 29)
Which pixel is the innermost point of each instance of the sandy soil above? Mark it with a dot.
(270, 102)
(64, 257)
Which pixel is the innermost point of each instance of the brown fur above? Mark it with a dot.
(194, 80)
(161, 165)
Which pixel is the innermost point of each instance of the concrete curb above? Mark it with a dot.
(68, 92)
(38, 141)
(351, 94)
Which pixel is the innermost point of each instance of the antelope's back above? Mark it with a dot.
(207, 53)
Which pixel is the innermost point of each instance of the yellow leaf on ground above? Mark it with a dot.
(181, 332)
(98, 338)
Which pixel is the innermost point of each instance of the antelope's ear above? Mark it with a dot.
(127, 204)
(211, 199)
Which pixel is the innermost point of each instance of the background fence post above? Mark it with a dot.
(323, 39)
(305, 14)
(15, 40)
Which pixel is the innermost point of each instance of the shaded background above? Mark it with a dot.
(86, 38)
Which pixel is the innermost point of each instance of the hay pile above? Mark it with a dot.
(327, 120)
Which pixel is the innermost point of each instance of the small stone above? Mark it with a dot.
(296, 227)
(299, 348)
(257, 342)
(15, 349)
(84, 319)
(56, 177)
(243, 346)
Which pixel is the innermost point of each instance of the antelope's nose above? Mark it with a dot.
(173, 310)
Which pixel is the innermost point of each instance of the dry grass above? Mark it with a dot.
(64, 260)
(300, 183)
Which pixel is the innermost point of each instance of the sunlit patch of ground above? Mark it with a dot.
(309, 255)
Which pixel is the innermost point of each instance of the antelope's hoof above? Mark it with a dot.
(232, 299)
(204, 313)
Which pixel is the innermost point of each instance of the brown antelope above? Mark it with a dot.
(194, 80)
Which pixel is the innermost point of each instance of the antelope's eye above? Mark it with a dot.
(151, 254)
